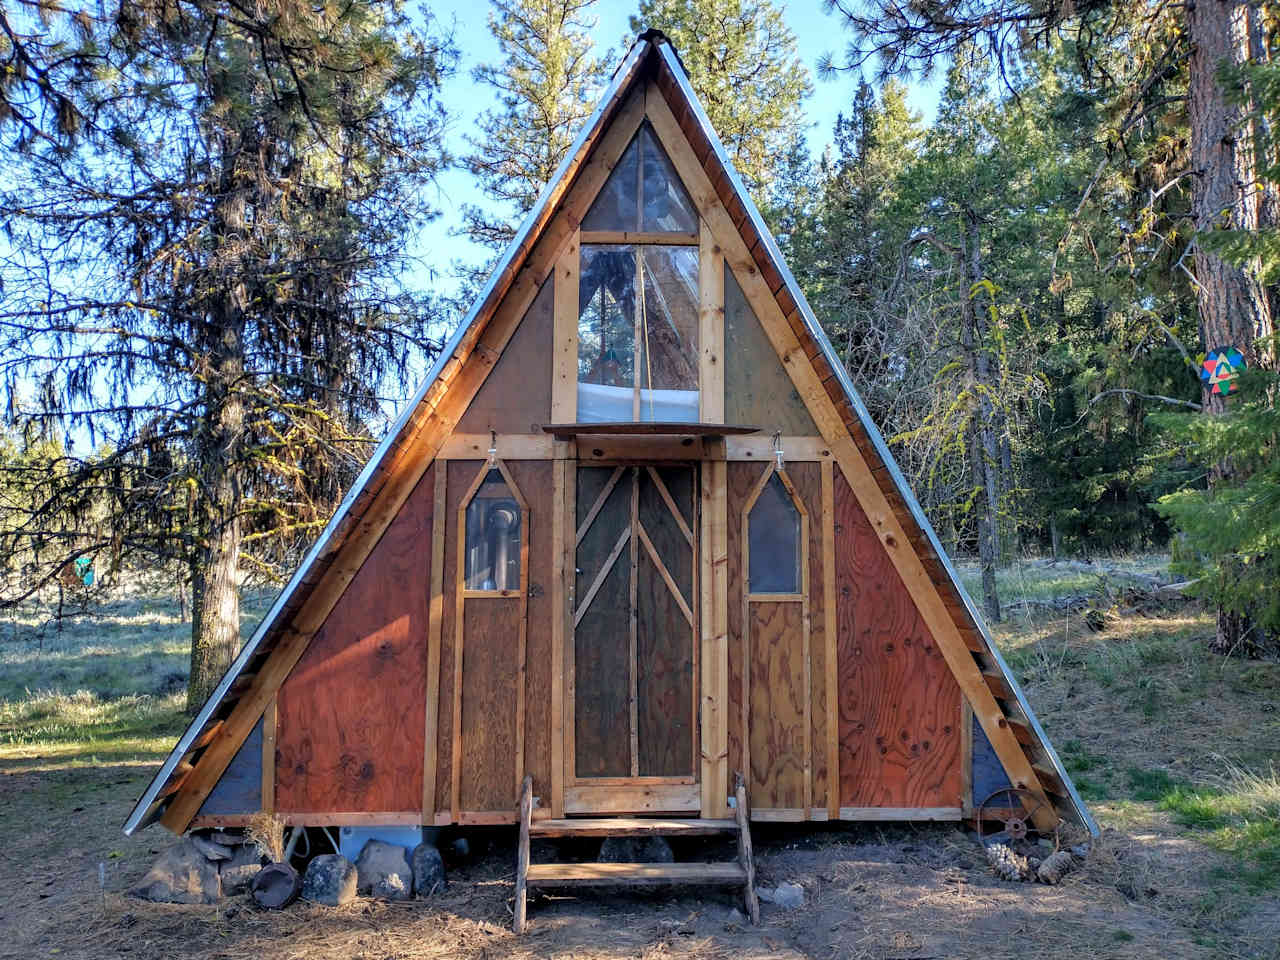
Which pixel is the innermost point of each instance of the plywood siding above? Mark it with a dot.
(807, 478)
(460, 475)
(351, 713)
(534, 478)
(240, 789)
(488, 769)
(742, 478)
(899, 709)
(757, 389)
(516, 396)
(776, 713)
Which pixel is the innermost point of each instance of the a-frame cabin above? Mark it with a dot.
(634, 534)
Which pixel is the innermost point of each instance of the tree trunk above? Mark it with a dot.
(215, 587)
(215, 584)
(983, 455)
(1234, 308)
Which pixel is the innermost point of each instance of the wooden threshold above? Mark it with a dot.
(631, 827)
(633, 874)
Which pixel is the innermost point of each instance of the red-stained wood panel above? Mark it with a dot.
(350, 716)
(899, 709)
(776, 710)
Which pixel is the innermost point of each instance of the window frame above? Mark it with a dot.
(797, 502)
(470, 593)
(638, 242)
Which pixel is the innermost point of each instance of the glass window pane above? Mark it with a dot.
(667, 207)
(774, 537)
(493, 537)
(643, 192)
(615, 206)
(606, 333)
(669, 334)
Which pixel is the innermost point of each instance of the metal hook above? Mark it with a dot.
(777, 448)
(493, 448)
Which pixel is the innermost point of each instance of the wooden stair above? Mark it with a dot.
(735, 873)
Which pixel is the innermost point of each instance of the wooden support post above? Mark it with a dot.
(710, 326)
(522, 853)
(564, 356)
(269, 758)
(714, 586)
(830, 661)
(745, 857)
(559, 616)
(435, 635)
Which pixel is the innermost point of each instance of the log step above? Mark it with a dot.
(634, 874)
(630, 827)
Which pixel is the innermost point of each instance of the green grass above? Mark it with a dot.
(110, 683)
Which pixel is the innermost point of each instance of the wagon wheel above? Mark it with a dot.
(1015, 827)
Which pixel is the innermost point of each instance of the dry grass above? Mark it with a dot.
(1175, 750)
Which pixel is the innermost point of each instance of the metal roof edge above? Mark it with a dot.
(882, 448)
(620, 77)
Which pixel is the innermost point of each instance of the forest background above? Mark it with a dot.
(235, 235)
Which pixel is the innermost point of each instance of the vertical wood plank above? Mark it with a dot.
(633, 667)
(710, 326)
(435, 619)
(459, 622)
(522, 654)
(806, 636)
(831, 668)
(560, 520)
(570, 605)
(269, 758)
(715, 633)
(966, 758)
(564, 358)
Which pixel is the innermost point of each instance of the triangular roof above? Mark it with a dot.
(414, 439)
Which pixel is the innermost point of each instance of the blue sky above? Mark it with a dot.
(816, 33)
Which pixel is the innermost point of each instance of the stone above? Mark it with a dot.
(428, 870)
(182, 874)
(384, 871)
(461, 849)
(735, 918)
(225, 838)
(330, 880)
(214, 851)
(635, 850)
(788, 896)
(238, 872)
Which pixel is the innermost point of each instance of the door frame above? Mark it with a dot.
(636, 793)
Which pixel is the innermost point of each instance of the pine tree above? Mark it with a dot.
(208, 277)
(742, 60)
(547, 85)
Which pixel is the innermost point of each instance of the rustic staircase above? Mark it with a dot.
(740, 872)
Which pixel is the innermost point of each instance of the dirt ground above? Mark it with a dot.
(907, 893)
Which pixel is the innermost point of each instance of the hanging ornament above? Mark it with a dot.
(1221, 370)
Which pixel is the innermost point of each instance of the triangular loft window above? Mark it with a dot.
(643, 193)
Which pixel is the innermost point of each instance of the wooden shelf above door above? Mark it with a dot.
(646, 428)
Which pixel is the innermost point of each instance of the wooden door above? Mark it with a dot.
(634, 651)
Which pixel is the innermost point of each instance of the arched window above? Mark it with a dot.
(493, 523)
(775, 539)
